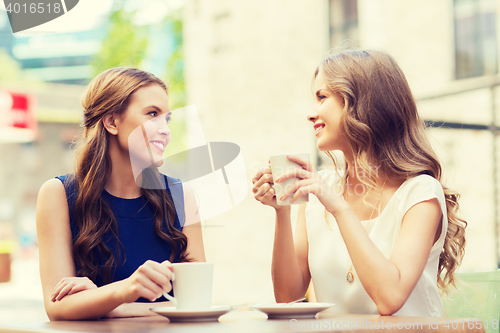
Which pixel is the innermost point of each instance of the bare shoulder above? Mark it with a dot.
(52, 206)
(190, 197)
(188, 191)
(52, 187)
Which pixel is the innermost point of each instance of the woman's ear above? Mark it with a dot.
(109, 122)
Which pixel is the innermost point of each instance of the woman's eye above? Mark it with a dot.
(153, 113)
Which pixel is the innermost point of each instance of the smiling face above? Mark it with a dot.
(142, 130)
(326, 117)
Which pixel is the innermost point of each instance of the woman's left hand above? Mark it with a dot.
(71, 285)
(310, 182)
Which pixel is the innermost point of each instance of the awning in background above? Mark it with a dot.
(18, 121)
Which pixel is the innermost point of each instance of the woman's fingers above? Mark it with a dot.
(304, 163)
(269, 194)
(262, 190)
(58, 290)
(71, 285)
(150, 280)
(169, 265)
(153, 289)
(257, 176)
(261, 172)
(295, 187)
(157, 273)
(265, 179)
(144, 287)
(264, 175)
(64, 281)
(312, 187)
(294, 173)
(77, 289)
(64, 291)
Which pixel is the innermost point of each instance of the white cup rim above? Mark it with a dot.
(192, 263)
(284, 154)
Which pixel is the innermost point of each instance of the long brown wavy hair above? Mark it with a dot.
(383, 130)
(109, 93)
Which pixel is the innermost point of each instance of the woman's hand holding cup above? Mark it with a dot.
(148, 281)
(263, 190)
(310, 182)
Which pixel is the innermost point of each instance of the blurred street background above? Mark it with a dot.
(248, 66)
(20, 299)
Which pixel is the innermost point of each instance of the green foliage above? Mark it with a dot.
(176, 83)
(10, 71)
(175, 65)
(125, 44)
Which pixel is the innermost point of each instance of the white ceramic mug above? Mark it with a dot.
(192, 283)
(279, 164)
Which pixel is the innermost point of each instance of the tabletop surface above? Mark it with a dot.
(254, 321)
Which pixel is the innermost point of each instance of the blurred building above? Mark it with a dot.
(26, 166)
(56, 58)
(59, 58)
(249, 70)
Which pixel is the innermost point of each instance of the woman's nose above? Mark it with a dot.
(164, 129)
(161, 125)
(313, 115)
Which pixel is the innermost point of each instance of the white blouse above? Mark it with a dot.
(329, 261)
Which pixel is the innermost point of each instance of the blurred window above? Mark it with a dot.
(343, 23)
(475, 38)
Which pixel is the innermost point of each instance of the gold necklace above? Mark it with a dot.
(350, 274)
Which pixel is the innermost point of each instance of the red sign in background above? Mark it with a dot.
(18, 121)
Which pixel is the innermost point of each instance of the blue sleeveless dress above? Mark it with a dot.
(135, 220)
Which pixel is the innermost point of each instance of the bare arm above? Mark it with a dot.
(290, 269)
(389, 282)
(192, 227)
(56, 263)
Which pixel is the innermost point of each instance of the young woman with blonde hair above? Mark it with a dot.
(107, 234)
(382, 234)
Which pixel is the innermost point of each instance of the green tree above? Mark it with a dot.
(176, 83)
(12, 73)
(125, 44)
(175, 64)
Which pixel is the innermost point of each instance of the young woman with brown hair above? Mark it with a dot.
(107, 236)
(380, 234)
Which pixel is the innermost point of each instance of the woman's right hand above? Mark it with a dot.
(149, 281)
(263, 190)
(70, 286)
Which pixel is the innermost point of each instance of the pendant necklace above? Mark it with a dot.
(350, 274)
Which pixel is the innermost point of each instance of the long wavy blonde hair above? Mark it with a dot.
(109, 93)
(383, 129)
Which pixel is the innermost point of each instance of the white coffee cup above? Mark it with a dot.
(279, 164)
(192, 283)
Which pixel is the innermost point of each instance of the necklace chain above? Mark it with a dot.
(350, 273)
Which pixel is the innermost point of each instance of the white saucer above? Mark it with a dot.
(175, 315)
(295, 310)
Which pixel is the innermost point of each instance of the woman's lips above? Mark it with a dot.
(318, 128)
(160, 145)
